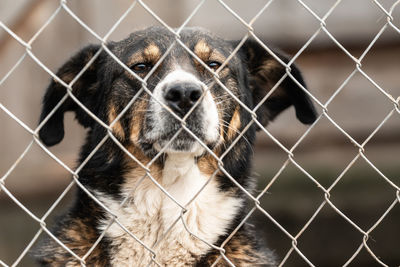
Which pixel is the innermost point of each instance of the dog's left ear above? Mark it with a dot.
(86, 89)
(265, 71)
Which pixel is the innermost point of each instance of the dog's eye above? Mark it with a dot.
(141, 67)
(214, 65)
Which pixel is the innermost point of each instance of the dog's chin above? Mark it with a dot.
(189, 147)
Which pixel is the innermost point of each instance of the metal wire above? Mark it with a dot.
(290, 151)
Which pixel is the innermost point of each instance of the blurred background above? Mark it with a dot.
(361, 194)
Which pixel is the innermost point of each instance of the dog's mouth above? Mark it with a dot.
(170, 136)
(180, 145)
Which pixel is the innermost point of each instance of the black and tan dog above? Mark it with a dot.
(147, 127)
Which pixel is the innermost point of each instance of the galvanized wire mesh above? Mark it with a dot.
(290, 151)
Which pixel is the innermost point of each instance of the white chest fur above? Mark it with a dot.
(150, 214)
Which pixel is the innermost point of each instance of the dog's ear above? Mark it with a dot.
(85, 89)
(264, 72)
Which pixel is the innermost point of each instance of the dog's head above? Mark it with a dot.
(181, 96)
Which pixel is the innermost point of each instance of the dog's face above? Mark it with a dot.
(181, 87)
(182, 99)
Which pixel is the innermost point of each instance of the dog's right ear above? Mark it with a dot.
(264, 72)
(85, 89)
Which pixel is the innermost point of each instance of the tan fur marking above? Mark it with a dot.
(220, 108)
(152, 53)
(207, 164)
(155, 169)
(272, 70)
(79, 238)
(138, 154)
(270, 65)
(117, 127)
(135, 58)
(206, 53)
(202, 50)
(240, 253)
(221, 132)
(234, 125)
(137, 120)
(88, 58)
(66, 77)
(217, 56)
(72, 264)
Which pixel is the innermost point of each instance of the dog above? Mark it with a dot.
(181, 123)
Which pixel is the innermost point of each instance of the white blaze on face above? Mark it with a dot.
(210, 120)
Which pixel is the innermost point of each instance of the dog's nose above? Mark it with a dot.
(181, 97)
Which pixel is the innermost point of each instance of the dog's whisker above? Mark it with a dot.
(227, 125)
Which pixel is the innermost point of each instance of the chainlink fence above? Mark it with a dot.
(325, 191)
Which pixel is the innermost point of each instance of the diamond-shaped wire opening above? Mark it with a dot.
(362, 182)
(18, 230)
(342, 108)
(384, 235)
(21, 182)
(136, 17)
(281, 28)
(119, 7)
(385, 139)
(13, 154)
(47, 208)
(328, 166)
(12, 59)
(330, 230)
(214, 10)
(289, 186)
(355, 29)
(379, 64)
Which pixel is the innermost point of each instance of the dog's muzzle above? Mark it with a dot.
(182, 93)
